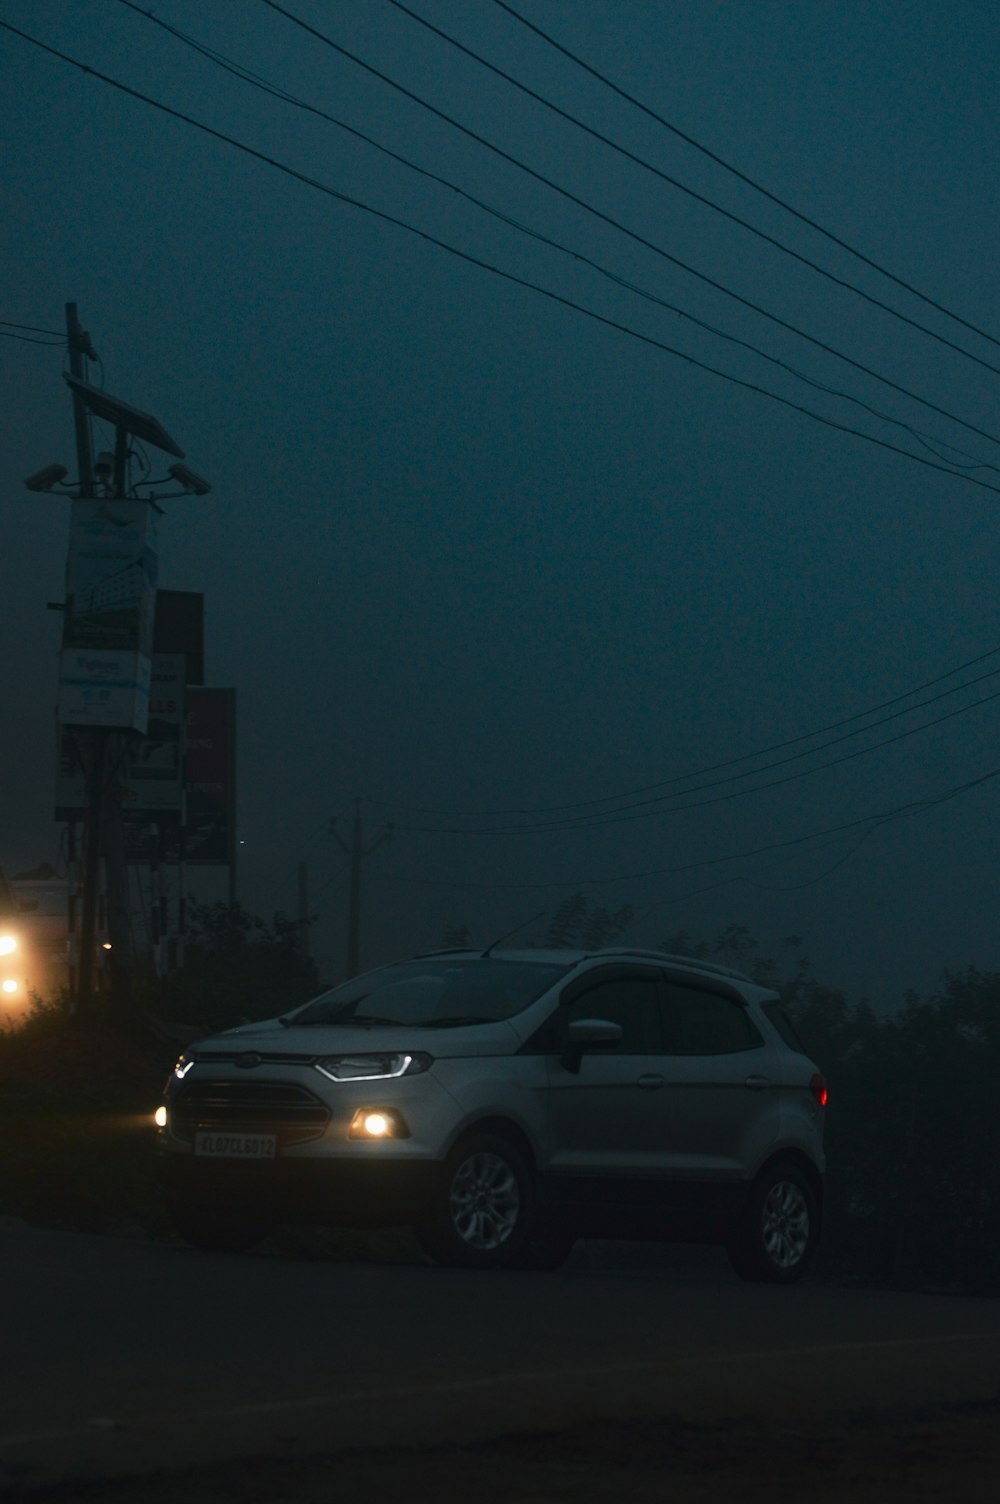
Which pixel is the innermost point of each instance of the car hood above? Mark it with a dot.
(275, 1041)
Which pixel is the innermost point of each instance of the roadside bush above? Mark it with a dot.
(76, 1108)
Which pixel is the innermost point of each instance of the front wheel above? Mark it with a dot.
(480, 1207)
(777, 1234)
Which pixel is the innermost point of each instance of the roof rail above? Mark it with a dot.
(712, 967)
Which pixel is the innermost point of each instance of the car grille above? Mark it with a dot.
(290, 1111)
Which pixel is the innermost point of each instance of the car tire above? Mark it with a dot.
(216, 1229)
(480, 1208)
(776, 1235)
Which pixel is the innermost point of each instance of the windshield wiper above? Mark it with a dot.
(351, 1021)
(456, 1020)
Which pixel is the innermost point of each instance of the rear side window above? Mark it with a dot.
(698, 1022)
(776, 1015)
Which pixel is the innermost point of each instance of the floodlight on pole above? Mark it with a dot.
(193, 483)
(44, 480)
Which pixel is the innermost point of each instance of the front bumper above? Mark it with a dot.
(319, 1174)
(333, 1192)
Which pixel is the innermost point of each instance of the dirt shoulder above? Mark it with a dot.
(892, 1457)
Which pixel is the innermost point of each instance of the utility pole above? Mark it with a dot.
(356, 851)
(104, 832)
(303, 908)
(107, 640)
(94, 759)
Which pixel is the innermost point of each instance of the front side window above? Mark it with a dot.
(698, 1022)
(631, 1002)
(435, 993)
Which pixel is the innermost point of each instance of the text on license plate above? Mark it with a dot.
(236, 1145)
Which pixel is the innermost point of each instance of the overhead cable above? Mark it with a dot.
(715, 767)
(33, 329)
(744, 177)
(902, 811)
(933, 444)
(608, 219)
(683, 187)
(484, 265)
(31, 339)
(625, 815)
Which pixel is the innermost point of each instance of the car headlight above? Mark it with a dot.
(376, 1123)
(183, 1065)
(374, 1067)
(8, 945)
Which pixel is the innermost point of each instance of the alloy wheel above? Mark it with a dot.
(485, 1201)
(785, 1224)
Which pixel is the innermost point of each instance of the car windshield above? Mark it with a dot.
(436, 993)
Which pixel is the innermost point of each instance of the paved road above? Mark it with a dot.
(121, 1355)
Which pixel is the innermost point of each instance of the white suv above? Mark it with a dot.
(505, 1103)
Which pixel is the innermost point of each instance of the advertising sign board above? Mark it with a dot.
(111, 575)
(154, 771)
(210, 777)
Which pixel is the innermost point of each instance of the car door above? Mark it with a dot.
(723, 1080)
(602, 1121)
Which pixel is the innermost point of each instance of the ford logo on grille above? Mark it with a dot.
(248, 1061)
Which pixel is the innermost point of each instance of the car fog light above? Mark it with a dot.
(378, 1122)
(160, 1117)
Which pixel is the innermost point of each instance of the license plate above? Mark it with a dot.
(236, 1145)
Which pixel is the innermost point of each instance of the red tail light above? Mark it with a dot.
(818, 1088)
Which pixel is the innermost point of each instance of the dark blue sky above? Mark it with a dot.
(467, 549)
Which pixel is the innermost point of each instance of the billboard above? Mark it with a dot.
(154, 766)
(210, 777)
(111, 570)
(153, 780)
(179, 627)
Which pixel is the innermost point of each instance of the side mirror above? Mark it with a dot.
(586, 1034)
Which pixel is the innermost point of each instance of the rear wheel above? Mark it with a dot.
(776, 1236)
(480, 1207)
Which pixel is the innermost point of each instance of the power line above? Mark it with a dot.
(266, 86)
(615, 223)
(622, 817)
(744, 177)
(34, 329)
(882, 817)
(732, 762)
(29, 339)
(467, 256)
(683, 187)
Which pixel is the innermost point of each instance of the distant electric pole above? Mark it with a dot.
(356, 851)
(303, 908)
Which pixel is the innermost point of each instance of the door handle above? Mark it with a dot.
(756, 1083)
(651, 1083)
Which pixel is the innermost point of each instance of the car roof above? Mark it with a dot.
(567, 957)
